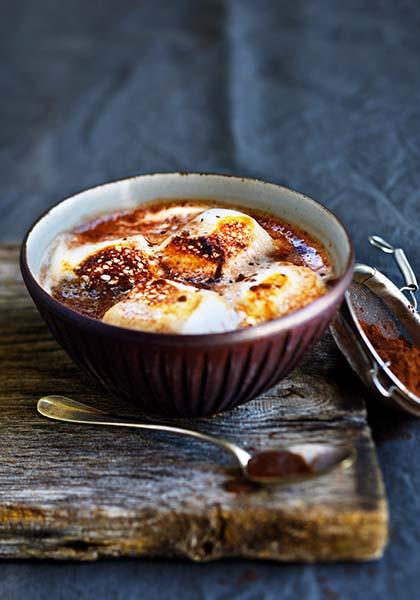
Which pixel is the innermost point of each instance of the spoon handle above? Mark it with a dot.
(65, 409)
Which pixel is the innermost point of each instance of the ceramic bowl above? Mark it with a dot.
(187, 375)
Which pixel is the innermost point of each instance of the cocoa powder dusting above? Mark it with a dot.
(403, 356)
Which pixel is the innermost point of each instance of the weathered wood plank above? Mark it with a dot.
(82, 492)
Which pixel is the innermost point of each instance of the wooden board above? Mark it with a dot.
(83, 492)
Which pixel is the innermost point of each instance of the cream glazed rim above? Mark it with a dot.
(128, 194)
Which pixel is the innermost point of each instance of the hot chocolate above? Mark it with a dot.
(186, 267)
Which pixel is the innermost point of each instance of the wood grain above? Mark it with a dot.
(80, 492)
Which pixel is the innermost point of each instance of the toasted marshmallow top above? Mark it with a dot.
(171, 307)
(218, 242)
(218, 272)
(101, 258)
(273, 290)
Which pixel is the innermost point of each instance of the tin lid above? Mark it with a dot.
(373, 299)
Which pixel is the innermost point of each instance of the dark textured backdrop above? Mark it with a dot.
(322, 96)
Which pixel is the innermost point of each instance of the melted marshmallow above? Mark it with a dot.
(218, 242)
(273, 290)
(170, 307)
(66, 257)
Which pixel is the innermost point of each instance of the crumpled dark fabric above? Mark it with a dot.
(321, 96)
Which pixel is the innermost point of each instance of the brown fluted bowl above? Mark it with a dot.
(187, 375)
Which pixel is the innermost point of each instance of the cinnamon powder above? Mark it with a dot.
(403, 356)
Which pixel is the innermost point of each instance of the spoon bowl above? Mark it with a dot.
(283, 465)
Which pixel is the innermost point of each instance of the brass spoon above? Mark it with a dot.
(291, 464)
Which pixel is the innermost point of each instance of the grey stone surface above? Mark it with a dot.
(322, 96)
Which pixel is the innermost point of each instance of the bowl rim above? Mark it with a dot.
(267, 329)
